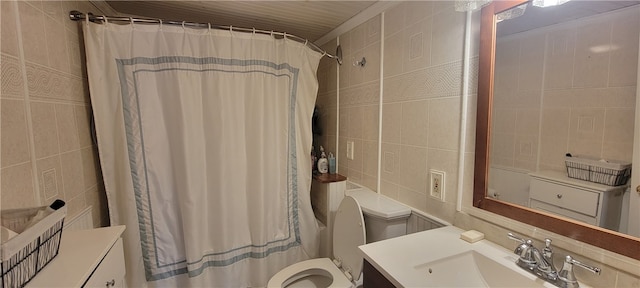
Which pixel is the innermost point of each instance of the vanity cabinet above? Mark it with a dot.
(592, 203)
(87, 258)
(372, 278)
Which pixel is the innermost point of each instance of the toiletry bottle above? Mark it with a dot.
(332, 164)
(323, 165)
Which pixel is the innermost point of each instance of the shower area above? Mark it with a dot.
(204, 134)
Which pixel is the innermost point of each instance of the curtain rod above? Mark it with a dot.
(77, 16)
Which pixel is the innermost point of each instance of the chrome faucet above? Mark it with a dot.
(540, 263)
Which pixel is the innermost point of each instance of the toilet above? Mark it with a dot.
(346, 267)
(384, 218)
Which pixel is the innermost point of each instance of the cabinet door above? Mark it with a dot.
(111, 271)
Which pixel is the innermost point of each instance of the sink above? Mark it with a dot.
(472, 269)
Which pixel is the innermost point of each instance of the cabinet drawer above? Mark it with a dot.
(542, 206)
(581, 201)
(111, 271)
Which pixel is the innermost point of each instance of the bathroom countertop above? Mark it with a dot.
(398, 259)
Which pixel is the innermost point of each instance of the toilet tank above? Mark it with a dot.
(384, 217)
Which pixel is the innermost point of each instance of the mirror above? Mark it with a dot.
(508, 93)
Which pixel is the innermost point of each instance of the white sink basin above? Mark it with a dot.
(439, 258)
(471, 269)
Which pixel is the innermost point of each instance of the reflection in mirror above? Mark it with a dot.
(564, 81)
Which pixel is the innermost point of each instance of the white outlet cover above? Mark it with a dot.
(437, 184)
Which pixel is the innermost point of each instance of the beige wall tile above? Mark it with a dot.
(415, 123)
(528, 121)
(587, 124)
(444, 123)
(393, 55)
(417, 46)
(75, 205)
(619, 125)
(83, 123)
(394, 20)
(390, 170)
(504, 120)
(531, 62)
(17, 187)
(50, 178)
(91, 167)
(447, 37)
(15, 141)
(412, 198)
(413, 168)
(389, 189)
(560, 59)
(623, 68)
(621, 151)
(370, 158)
(370, 122)
(32, 24)
(372, 31)
(416, 11)
(9, 42)
(590, 68)
(625, 280)
(45, 132)
(12, 82)
(354, 126)
(391, 123)
(67, 128)
(57, 45)
(72, 174)
(372, 69)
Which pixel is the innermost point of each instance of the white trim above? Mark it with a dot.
(380, 102)
(354, 21)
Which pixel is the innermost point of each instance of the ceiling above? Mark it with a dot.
(307, 19)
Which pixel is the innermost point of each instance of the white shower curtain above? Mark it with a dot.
(204, 138)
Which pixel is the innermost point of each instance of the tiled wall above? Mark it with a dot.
(566, 88)
(421, 103)
(47, 151)
(421, 116)
(359, 88)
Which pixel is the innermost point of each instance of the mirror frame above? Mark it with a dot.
(607, 239)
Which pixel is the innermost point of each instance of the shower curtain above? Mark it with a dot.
(204, 139)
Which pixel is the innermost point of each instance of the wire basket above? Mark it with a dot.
(604, 172)
(24, 255)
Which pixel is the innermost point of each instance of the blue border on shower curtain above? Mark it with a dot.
(136, 179)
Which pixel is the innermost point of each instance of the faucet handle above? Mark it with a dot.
(514, 237)
(567, 275)
(547, 243)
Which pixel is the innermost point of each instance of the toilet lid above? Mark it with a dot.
(348, 234)
(374, 204)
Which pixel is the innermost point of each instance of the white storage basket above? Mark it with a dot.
(24, 255)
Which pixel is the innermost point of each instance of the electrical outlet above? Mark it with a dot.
(436, 187)
(350, 150)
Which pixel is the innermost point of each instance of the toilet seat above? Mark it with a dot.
(318, 266)
(348, 234)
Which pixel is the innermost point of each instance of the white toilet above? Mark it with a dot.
(384, 218)
(345, 269)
